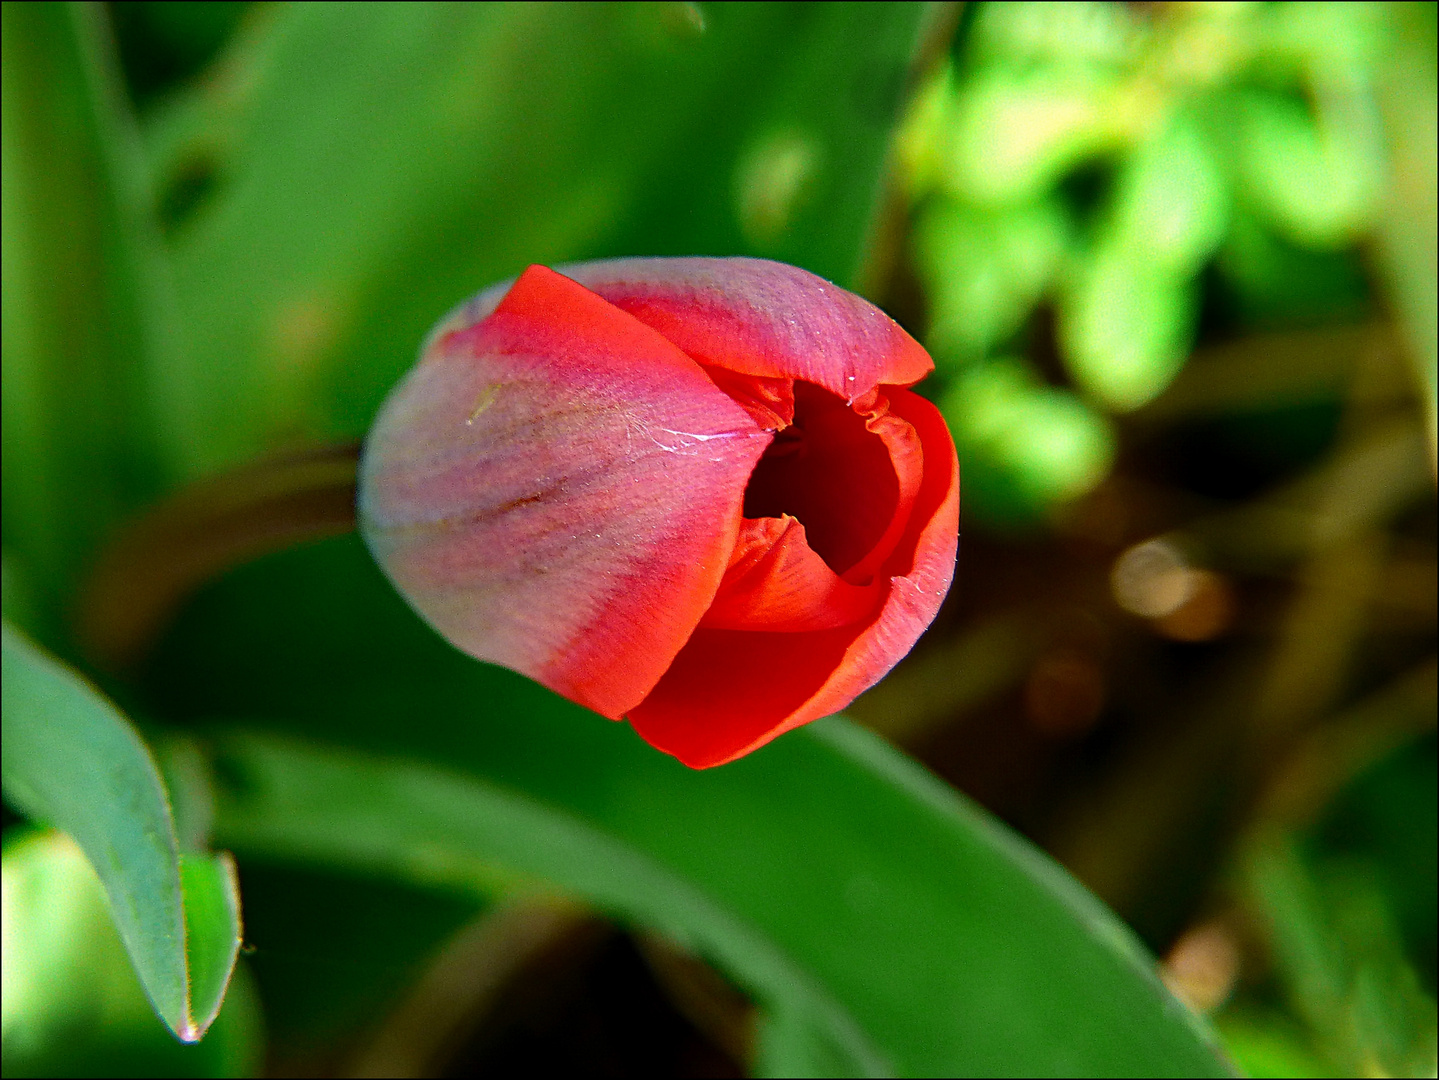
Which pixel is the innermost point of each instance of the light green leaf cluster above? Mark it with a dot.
(1097, 158)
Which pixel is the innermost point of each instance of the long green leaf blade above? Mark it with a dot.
(82, 307)
(211, 892)
(889, 926)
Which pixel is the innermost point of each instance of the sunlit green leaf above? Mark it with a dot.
(1023, 446)
(1171, 202)
(1016, 132)
(72, 1003)
(1407, 226)
(1064, 34)
(72, 760)
(984, 270)
(1316, 179)
(211, 895)
(1126, 325)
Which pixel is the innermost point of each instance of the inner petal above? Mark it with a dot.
(848, 473)
(775, 581)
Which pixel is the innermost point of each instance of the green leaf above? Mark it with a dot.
(1126, 325)
(1025, 446)
(1015, 132)
(831, 877)
(211, 894)
(1270, 281)
(828, 874)
(83, 310)
(856, 897)
(985, 269)
(72, 1003)
(1340, 958)
(1408, 265)
(1172, 198)
(1317, 178)
(793, 1044)
(367, 168)
(71, 759)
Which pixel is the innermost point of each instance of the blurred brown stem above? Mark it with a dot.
(153, 565)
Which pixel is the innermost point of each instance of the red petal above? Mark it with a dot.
(763, 318)
(775, 581)
(769, 401)
(751, 316)
(558, 489)
(730, 692)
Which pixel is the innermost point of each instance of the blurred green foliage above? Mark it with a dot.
(1098, 159)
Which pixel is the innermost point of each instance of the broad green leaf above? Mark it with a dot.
(793, 1044)
(1087, 34)
(83, 308)
(1025, 446)
(1316, 178)
(72, 1003)
(1015, 132)
(857, 898)
(831, 876)
(369, 166)
(951, 945)
(72, 760)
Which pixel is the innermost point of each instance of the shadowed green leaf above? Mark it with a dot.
(315, 261)
(867, 905)
(82, 303)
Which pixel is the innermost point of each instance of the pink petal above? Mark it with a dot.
(558, 489)
(754, 317)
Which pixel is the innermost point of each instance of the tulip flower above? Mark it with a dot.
(694, 493)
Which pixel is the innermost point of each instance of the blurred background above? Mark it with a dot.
(1175, 263)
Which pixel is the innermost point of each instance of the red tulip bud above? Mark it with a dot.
(690, 492)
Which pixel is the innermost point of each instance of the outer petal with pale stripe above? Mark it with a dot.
(557, 489)
(690, 491)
